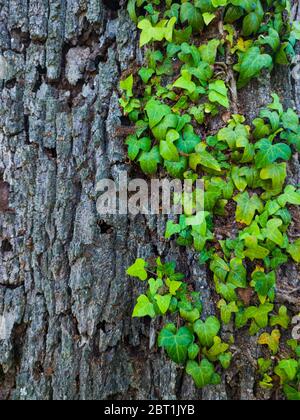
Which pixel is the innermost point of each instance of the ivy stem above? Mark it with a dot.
(230, 72)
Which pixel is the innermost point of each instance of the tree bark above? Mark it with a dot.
(65, 300)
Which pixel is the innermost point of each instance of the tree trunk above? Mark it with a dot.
(65, 302)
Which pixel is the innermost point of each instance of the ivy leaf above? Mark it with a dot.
(190, 316)
(271, 340)
(146, 74)
(162, 130)
(251, 24)
(193, 351)
(273, 39)
(218, 92)
(294, 250)
(287, 370)
(163, 29)
(207, 331)
(219, 3)
(173, 286)
(131, 10)
(266, 382)
(135, 145)
(264, 365)
(290, 120)
(273, 233)
(163, 302)
(269, 153)
(185, 82)
(127, 85)
(218, 348)
(238, 273)
(188, 141)
(276, 173)
(203, 374)
(156, 111)
(260, 314)
(189, 13)
(208, 18)
(138, 269)
(168, 151)
(256, 252)
(176, 169)
(219, 267)
(208, 52)
(291, 393)
(204, 158)
(281, 319)
(264, 284)
(150, 160)
(227, 310)
(155, 285)
(251, 64)
(247, 207)
(143, 308)
(225, 360)
(172, 229)
(290, 196)
(176, 343)
(236, 133)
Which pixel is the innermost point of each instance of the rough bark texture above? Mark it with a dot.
(66, 301)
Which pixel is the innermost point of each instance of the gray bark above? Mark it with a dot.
(64, 295)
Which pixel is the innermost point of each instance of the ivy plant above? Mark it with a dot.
(186, 81)
(190, 342)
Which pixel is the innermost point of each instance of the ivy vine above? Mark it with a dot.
(197, 55)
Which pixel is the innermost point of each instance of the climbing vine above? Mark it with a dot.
(197, 55)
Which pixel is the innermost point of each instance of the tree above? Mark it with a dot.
(65, 301)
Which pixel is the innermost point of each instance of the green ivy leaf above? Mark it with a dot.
(207, 331)
(218, 92)
(146, 74)
(251, 64)
(247, 207)
(156, 111)
(273, 233)
(260, 314)
(290, 196)
(218, 348)
(168, 151)
(176, 344)
(203, 374)
(269, 153)
(290, 120)
(291, 393)
(155, 285)
(143, 308)
(138, 269)
(208, 52)
(264, 284)
(225, 360)
(227, 310)
(281, 319)
(204, 158)
(276, 173)
(150, 160)
(287, 370)
(193, 351)
(163, 302)
(127, 85)
(135, 145)
(294, 250)
(251, 24)
(271, 340)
